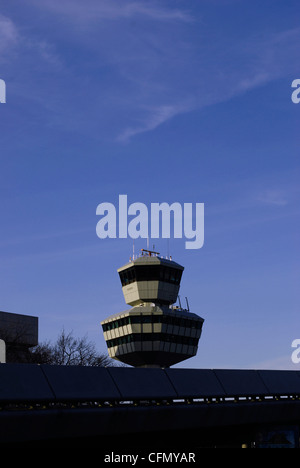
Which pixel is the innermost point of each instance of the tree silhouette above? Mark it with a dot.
(69, 351)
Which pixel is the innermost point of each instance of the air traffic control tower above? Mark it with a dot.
(154, 332)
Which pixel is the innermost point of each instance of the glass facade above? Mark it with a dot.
(150, 273)
(153, 318)
(178, 339)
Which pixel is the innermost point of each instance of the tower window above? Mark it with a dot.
(127, 276)
(178, 339)
(150, 273)
(149, 318)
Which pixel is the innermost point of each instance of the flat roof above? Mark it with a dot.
(151, 260)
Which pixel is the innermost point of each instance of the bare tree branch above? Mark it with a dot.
(70, 351)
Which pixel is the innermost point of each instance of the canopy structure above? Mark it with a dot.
(122, 406)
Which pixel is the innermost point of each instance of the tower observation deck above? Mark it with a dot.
(153, 332)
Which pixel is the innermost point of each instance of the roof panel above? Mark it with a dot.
(23, 382)
(80, 382)
(281, 381)
(241, 382)
(195, 383)
(142, 383)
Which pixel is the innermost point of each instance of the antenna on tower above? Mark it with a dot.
(187, 304)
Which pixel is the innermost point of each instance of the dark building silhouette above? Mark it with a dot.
(19, 332)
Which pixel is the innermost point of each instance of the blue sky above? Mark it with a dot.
(165, 101)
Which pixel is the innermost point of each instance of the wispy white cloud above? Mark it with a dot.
(8, 35)
(251, 63)
(91, 11)
(157, 116)
(12, 37)
(140, 77)
(274, 197)
(281, 191)
(278, 363)
(46, 52)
